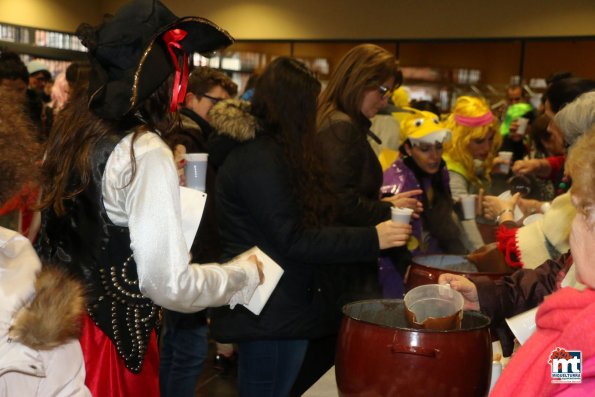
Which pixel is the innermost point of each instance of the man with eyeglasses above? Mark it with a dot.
(184, 345)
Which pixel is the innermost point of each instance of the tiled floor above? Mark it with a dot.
(215, 383)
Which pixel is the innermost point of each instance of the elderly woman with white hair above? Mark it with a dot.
(573, 118)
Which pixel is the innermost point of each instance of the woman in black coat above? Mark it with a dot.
(272, 193)
(358, 89)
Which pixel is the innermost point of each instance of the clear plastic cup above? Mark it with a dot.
(434, 306)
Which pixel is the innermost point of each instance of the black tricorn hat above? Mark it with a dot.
(130, 59)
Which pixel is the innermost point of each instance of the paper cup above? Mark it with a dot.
(196, 170)
(523, 325)
(401, 215)
(468, 204)
(507, 156)
(522, 123)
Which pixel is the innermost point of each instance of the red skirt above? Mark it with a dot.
(107, 376)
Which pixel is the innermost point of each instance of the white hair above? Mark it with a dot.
(577, 118)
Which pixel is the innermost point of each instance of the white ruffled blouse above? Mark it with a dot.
(149, 206)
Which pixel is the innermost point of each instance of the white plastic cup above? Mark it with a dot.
(522, 123)
(401, 215)
(195, 170)
(507, 157)
(468, 204)
(523, 325)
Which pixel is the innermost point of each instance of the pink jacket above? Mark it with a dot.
(564, 320)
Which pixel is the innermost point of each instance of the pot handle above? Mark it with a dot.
(415, 350)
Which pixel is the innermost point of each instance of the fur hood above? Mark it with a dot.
(54, 316)
(232, 118)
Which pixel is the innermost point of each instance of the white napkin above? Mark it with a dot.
(192, 204)
(272, 274)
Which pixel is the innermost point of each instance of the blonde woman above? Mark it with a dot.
(471, 153)
(475, 141)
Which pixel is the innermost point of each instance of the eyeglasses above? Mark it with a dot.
(213, 99)
(385, 91)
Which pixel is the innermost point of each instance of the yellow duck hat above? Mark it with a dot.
(400, 97)
(423, 126)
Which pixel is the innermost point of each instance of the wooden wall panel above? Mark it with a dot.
(263, 47)
(545, 57)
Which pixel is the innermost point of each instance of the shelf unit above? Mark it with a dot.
(54, 48)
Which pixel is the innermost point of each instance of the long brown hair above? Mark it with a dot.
(77, 130)
(363, 67)
(18, 147)
(285, 104)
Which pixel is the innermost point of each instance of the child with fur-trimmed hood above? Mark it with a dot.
(40, 309)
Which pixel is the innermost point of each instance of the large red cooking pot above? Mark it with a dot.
(378, 355)
(425, 269)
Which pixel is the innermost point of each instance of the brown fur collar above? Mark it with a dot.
(54, 315)
(232, 117)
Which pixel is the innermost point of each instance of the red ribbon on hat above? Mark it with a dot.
(172, 39)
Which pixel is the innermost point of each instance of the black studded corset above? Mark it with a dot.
(90, 246)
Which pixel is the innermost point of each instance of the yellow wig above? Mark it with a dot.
(471, 118)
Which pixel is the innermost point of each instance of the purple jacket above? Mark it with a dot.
(400, 178)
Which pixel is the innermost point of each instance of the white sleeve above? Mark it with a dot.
(458, 185)
(150, 206)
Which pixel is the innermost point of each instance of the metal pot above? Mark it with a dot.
(425, 269)
(379, 355)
